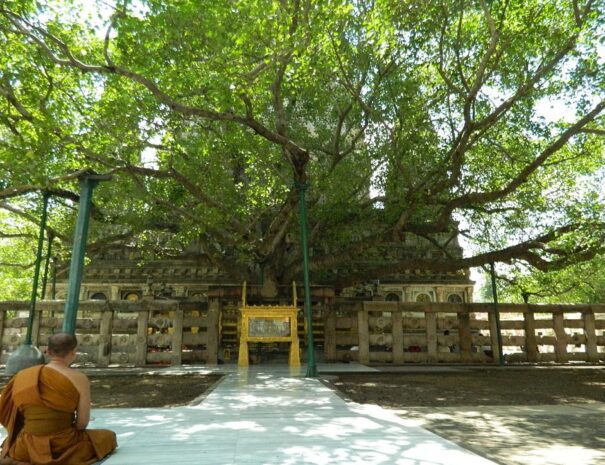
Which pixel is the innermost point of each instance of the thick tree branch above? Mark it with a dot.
(17, 265)
(17, 191)
(463, 140)
(525, 173)
(27, 29)
(16, 235)
(7, 92)
(597, 131)
(31, 218)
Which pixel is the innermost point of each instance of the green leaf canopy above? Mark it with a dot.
(410, 120)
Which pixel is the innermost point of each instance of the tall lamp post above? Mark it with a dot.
(28, 355)
(88, 181)
(311, 366)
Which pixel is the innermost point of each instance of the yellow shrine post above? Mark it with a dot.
(269, 323)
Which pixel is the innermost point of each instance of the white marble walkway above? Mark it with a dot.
(274, 415)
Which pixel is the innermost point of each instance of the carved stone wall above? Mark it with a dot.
(121, 274)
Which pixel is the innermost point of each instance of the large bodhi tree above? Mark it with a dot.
(407, 119)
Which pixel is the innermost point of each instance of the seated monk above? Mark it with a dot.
(45, 410)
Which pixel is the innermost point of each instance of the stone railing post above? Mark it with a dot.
(397, 332)
(493, 333)
(363, 324)
(142, 325)
(212, 318)
(330, 335)
(105, 330)
(37, 316)
(531, 342)
(561, 335)
(431, 333)
(592, 354)
(464, 336)
(177, 338)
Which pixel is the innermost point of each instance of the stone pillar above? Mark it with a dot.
(440, 294)
(397, 332)
(561, 342)
(105, 330)
(114, 293)
(212, 325)
(531, 343)
(179, 291)
(493, 332)
(468, 295)
(141, 349)
(592, 353)
(37, 316)
(330, 334)
(177, 338)
(464, 336)
(364, 337)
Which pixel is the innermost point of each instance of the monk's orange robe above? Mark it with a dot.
(37, 408)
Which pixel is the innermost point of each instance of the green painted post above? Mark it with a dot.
(26, 354)
(53, 286)
(46, 265)
(497, 315)
(32, 303)
(87, 183)
(311, 366)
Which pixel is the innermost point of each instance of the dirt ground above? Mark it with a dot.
(533, 415)
(148, 390)
(391, 389)
(396, 390)
(130, 389)
(475, 387)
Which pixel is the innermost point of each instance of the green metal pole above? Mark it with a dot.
(32, 305)
(53, 286)
(26, 354)
(497, 315)
(46, 265)
(311, 366)
(76, 268)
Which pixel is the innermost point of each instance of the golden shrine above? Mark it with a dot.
(269, 323)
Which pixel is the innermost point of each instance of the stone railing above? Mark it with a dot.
(176, 332)
(121, 332)
(392, 332)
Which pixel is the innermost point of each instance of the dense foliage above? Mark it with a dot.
(582, 282)
(404, 118)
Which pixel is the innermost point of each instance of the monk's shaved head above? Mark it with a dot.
(61, 344)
